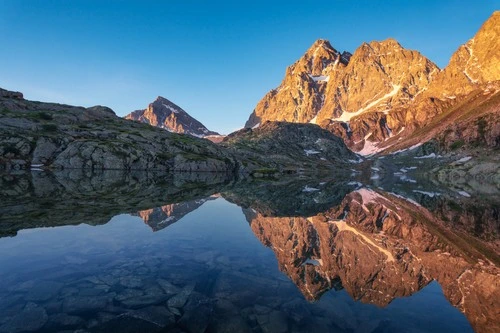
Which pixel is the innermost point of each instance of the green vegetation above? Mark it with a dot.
(481, 126)
(11, 149)
(194, 157)
(266, 171)
(43, 116)
(457, 144)
(165, 156)
(49, 127)
(120, 153)
(454, 206)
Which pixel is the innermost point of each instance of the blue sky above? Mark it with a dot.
(215, 59)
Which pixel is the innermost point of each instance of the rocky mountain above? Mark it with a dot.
(383, 92)
(461, 106)
(287, 147)
(49, 135)
(164, 114)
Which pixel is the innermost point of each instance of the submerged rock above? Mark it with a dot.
(197, 313)
(31, 318)
(180, 299)
(75, 305)
(157, 315)
(43, 291)
(63, 321)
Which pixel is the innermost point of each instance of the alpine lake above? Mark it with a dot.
(109, 251)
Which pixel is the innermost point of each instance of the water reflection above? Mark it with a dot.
(354, 258)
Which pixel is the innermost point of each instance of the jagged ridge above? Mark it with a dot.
(167, 115)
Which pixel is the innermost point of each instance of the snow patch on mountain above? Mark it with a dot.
(346, 116)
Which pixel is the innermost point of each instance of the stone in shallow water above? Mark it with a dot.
(175, 311)
(124, 324)
(241, 288)
(231, 324)
(109, 280)
(31, 318)
(103, 317)
(63, 321)
(23, 286)
(225, 307)
(93, 279)
(10, 305)
(128, 293)
(157, 315)
(168, 287)
(75, 305)
(43, 291)
(145, 300)
(154, 290)
(275, 322)
(68, 291)
(197, 313)
(297, 310)
(180, 299)
(337, 309)
(53, 306)
(90, 292)
(131, 282)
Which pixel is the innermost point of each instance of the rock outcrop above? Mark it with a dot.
(164, 114)
(283, 146)
(62, 136)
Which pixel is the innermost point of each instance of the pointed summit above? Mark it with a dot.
(300, 95)
(167, 115)
(321, 43)
(317, 58)
(474, 63)
(161, 98)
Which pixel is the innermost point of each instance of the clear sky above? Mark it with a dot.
(215, 59)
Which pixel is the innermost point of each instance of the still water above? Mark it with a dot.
(80, 254)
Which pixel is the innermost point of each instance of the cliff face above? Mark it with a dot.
(301, 93)
(164, 114)
(378, 247)
(383, 91)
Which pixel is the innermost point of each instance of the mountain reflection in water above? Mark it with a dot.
(354, 258)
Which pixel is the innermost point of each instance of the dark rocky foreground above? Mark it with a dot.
(49, 135)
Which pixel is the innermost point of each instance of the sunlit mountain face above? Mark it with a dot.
(128, 252)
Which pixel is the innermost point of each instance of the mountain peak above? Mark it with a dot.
(322, 43)
(474, 63)
(161, 98)
(165, 114)
(165, 101)
(321, 46)
(389, 42)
